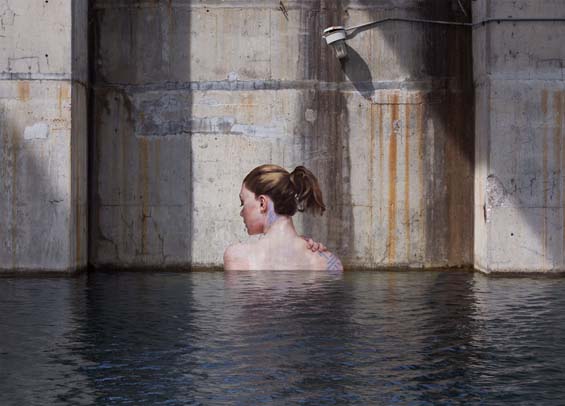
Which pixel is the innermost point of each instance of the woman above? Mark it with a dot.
(270, 196)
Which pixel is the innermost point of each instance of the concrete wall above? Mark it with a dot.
(189, 96)
(520, 101)
(43, 71)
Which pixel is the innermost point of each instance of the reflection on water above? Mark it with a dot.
(418, 338)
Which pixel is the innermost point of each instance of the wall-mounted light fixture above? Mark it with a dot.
(335, 36)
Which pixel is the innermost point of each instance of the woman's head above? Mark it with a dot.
(287, 192)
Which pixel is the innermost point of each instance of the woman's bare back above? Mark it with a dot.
(294, 254)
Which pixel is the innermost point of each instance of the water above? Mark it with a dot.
(279, 338)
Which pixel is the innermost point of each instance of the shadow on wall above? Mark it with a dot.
(358, 72)
(324, 143)
(447, 147)
(41, 162)
(141, 172)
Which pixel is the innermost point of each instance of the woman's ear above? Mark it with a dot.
(263, 203)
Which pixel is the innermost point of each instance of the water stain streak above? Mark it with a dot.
(407, 179)
(544, 101)
(392, 169)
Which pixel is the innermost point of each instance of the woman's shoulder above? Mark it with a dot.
(321, 259)
(236, 256)
(242, 255)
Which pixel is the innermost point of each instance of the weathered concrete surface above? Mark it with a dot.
(189, 97)
(520, 101)
(42, 136)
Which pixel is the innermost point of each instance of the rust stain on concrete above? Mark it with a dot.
(392, 168)
(422, 201)
(75, 197)
(407, 178)
(23, 91)
(381, 161)
(63, 95)
(457, 181)
(544, 103)
(249, 107)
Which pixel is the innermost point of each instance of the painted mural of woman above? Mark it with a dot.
(270, 196)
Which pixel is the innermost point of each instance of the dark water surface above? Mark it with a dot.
(362, 338)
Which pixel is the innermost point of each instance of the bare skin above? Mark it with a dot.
(280, 248)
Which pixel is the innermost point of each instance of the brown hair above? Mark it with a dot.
(290, 192)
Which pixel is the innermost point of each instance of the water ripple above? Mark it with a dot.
(282, 338)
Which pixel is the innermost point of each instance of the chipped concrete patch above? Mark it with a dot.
(36, 131)
(310, 115)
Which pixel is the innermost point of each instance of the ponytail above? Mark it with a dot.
(308, 194)
(290, 192)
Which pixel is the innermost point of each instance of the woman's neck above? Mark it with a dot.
(281, 226)
(277, 224)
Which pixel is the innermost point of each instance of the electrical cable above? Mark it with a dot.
(482, 22)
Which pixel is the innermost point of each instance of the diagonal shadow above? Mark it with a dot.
(442, 71)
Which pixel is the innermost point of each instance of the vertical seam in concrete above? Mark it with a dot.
(562, 206)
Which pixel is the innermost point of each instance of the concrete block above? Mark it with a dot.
(526, 154)
(514, 53)
(178, 44)
(245, 83)
(522, 212)
(484, 9)
(43, 52)
(525, 239)
(396, 140)
(79, 40)
(181, 169)
(519, 50)
(519, 153)
(140, 236)
(143, 189)
(41, 206)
